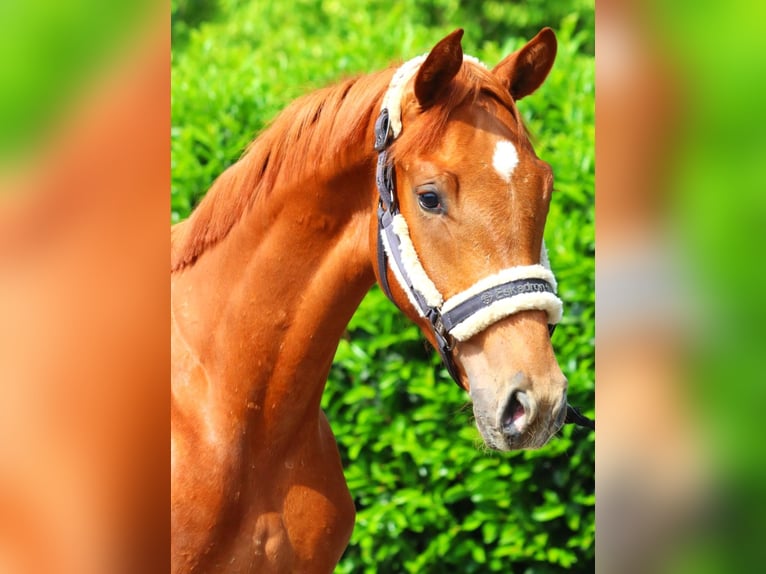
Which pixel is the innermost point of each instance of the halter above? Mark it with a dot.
(471, 311)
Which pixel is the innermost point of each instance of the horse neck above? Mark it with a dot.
(262, 312)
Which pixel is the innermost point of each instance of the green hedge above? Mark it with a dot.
(429, 497)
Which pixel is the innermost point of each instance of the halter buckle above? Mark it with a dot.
(446, 343)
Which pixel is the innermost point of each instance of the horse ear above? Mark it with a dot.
(526, 69)
(441, 65)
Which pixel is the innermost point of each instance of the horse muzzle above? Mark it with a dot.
(515, 416)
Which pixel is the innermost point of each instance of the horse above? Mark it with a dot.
(421, 177)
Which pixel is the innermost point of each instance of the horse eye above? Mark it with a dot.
(429, 201)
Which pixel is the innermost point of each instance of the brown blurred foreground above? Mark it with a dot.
(679, 300)
(83, 330)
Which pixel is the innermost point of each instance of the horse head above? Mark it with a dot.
(459, 232)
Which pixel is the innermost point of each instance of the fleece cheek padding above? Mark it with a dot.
(420, 279)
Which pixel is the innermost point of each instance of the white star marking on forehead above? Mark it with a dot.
(504, 159)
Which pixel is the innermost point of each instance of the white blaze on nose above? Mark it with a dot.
(505, 159)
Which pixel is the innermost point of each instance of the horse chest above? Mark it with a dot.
(257, 508)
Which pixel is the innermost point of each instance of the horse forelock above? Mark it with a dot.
(317, 135)
(472, 82)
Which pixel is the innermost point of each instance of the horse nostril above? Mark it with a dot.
(515, 411)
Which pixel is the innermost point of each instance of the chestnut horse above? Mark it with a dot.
(422, 177)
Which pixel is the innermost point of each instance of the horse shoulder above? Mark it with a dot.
(305, 521)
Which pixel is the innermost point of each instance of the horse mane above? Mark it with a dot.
(313, 135)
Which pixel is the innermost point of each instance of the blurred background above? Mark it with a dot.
(85, 111)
